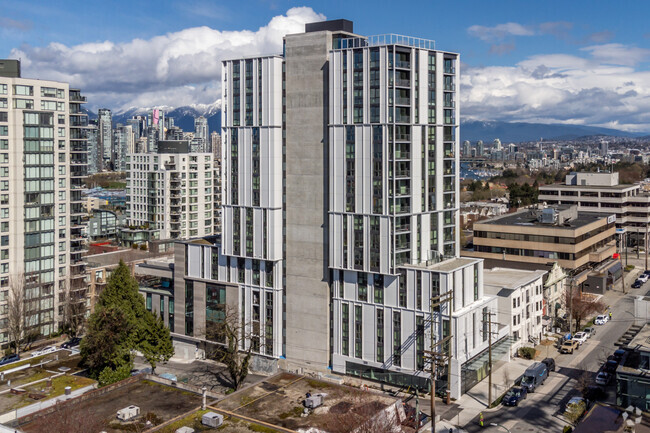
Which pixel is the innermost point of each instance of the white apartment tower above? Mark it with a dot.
(43, 161)
(172, 193)
(340, 207)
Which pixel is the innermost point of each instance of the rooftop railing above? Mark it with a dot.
(387, 39)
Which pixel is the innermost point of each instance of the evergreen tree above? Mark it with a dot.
(156, 345)
(121, 325)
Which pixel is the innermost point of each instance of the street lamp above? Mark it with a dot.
(499, 425)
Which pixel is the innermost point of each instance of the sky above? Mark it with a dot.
(573, 62)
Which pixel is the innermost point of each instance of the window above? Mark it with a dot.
(358, 332)
(345, 329)
(23, 90)
(380, 335)
(4, 130)
(189, 308)
(397, 338)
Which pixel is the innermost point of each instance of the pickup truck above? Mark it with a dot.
(569, 346)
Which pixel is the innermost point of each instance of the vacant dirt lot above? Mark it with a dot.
(159, 402)
(279, 401)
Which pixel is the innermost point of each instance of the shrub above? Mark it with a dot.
(527, 352)
(108, 375)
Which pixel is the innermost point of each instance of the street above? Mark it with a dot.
(542, 410)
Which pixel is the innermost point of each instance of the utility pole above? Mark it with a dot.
(436, 355)
(570, 304)
(646, 246)
(622, 274)
(489, 320)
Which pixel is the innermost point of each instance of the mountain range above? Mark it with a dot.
(472, 130)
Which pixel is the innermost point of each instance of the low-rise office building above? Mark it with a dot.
(520, 302)
(546, 235)
(603, 193)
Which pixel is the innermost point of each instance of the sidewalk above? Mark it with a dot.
(476, 399)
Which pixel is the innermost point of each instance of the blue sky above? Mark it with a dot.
(582, 62)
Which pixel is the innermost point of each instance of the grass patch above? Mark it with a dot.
(295, 413)
(246, 399)
(34, 360)
(116, 185)
(192, 420)
(318, 384)
(261, 428)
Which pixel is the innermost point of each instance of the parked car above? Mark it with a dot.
(594, 393)
(569, 346)
(589, 331)
(9, 358)
(73, 342)
(146, 370)
(647, 272)
(580, 337)
(45, 351)
(618, 355)
(534, 376)
(550, 363)
(603, 378)
(637, 284)
(643, 277)
(514, 396)
(610, 366)
(576, 407)
(601, 319)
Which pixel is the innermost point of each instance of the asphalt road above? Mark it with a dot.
(542, 410)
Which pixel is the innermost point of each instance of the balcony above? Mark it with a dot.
(79, 249)
(402, 82)
(75, 96)
(78, 121)
(450, 87)
(403, 64)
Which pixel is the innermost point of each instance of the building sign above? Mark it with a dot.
(611, 219)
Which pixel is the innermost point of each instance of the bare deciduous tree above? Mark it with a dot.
(16, 309)
(581, 306)
(233, 344)
(74, 312)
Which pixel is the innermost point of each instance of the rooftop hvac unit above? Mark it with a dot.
(128, 413)
(212, 419)
(313, 401)
(185, 430)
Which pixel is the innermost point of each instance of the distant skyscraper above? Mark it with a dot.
(124, 143)
(105, 138)
(480, 148)
(497, 144)
(94, 151)
(215, 144)
(467, 148)
(603, 147)
(201, 131)
(138, 124)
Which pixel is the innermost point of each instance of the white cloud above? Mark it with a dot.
(499, 32)
(603, 88)
(176, 69)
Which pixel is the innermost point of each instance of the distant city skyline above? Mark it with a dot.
(583, 62)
